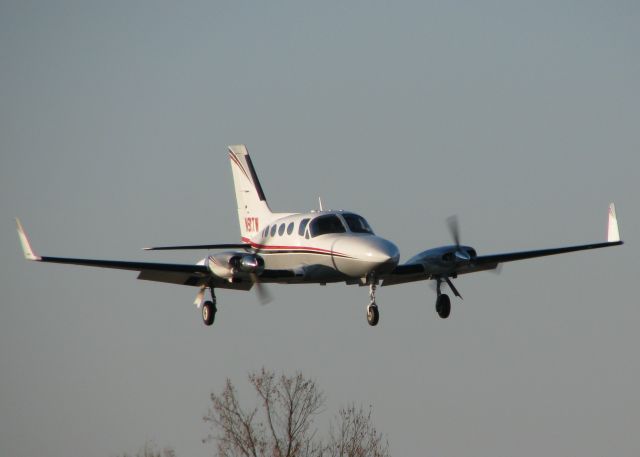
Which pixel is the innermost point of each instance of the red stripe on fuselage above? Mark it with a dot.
(266, 247)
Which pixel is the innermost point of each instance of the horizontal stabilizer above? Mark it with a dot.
(200, 246)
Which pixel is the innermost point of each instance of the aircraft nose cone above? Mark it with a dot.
(381, 251)
(359, 256)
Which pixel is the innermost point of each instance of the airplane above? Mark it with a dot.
(316, 247)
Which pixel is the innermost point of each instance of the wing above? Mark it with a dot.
(189, 275)
(421, 271)
(427, 265)
(173, 273)
(494, 259)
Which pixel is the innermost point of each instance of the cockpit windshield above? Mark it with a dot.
(357, 224)
(329, 223)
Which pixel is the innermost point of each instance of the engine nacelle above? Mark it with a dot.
(445, 259)
(459, 254)
(232, 264)
(248, 263)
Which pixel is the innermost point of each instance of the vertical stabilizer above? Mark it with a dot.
(253, 211)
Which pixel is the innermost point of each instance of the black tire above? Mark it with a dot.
(208, 312)
(373, 315)
(443, 306)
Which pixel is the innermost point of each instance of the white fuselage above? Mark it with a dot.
(324, 246)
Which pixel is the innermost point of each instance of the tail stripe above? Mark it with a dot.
(237, 162)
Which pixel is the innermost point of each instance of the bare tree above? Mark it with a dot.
(150, 450)
(282, 423)
(353, 435)
(284, 427)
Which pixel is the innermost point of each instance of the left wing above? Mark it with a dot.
(494, 259)
(428, 265)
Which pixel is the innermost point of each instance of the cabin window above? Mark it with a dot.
(273, 230)
(357, 224)
(281, 230)
(290, 228)
(265, 232)
(322, 225)
(303, 226)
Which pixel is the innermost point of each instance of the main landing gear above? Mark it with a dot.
(443, 306)
(373, 315)
(209, 309)
(443, 302)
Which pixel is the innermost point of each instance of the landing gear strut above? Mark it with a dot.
(373, 315)
(209, 309)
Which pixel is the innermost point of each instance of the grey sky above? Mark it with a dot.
(521, 117)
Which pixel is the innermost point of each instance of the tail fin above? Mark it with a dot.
(253, 211)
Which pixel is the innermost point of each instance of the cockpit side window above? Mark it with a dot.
(322, 225)
(357, 224)
(303, 226)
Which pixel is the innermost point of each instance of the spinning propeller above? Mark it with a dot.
(462, 255)
(262, 291)
(454, 228)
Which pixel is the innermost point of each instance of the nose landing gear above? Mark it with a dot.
(373, 315)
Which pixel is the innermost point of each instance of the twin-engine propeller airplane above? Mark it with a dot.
(312, 248)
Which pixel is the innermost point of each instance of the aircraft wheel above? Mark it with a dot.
(443, 306)
(208, 312)
(373, 316)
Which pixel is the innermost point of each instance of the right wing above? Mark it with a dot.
(184, 274)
